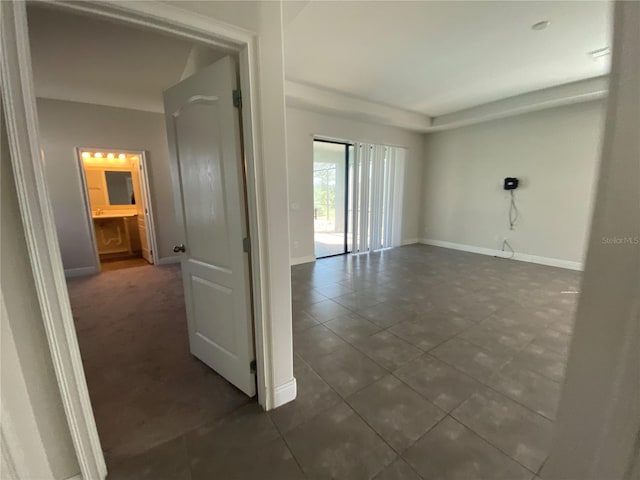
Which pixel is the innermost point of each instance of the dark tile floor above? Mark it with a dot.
(418, 362)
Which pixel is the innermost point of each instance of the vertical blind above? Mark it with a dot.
(377, 183)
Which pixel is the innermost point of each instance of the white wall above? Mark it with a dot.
(66, 125)
(33, 418)
(553, 152)
(598, 423)
(302, 125)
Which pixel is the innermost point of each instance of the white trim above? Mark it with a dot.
(168, 260)
(80, 272)
(521, 257)
(561, 95)
(307, 97)
(285, 393)
(149, 219)
(7, 467)
(300, 95)
(41, 236)
(75, 477)
(301, 260)
(88, 218)
(409, 241)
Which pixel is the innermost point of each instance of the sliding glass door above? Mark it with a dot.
(331, 204)
(357, 197)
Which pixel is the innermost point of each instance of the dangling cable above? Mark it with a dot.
(514, 213)
(505, 243)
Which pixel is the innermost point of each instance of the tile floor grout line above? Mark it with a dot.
(511, 358)
(493, 389)
(344, 400)
(281, 433)
(186, 449)
(490, 442)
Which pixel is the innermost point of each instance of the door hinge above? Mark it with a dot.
(237, 98)
(252, 366)
(246, 244)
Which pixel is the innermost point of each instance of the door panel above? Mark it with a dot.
(205, 199)
(204, 143)
(141, 223)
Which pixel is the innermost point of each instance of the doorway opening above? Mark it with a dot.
(332, 204)
(135, 327)
(119, 209)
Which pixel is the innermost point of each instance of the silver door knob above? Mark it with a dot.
(179, 248)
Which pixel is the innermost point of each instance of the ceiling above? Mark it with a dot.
(85, 59)
(440, 57)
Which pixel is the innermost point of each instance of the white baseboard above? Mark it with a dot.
(301, 260)
(80, 272)
(285, 393)
(409, 241)
(75, 477)
(521, 257)
(168, 260)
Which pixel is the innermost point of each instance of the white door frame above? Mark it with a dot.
(37, 215)
(144, 190)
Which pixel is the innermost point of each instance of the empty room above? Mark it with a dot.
(373, 240)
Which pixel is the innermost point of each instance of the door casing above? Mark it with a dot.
(37, 215)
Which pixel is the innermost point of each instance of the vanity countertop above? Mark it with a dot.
(114, 215)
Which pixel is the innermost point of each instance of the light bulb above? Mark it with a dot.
(110, 155)
(98, 155)
(122, 156)
(86, 155)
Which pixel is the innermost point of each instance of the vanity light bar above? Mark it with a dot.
(111, 157)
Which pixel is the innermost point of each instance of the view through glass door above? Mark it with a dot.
(331, 202)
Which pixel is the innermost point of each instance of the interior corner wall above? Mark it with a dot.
(66, 125)
(555, 154)
(302, 126)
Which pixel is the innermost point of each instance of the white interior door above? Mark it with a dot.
(140, 195)
(203, 129)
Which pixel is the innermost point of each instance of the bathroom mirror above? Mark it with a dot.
(119, 187)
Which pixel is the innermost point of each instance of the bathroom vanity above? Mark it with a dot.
(116, 233)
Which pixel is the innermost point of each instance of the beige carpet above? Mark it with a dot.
(145, 386)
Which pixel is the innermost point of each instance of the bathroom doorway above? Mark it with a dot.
(118, 207)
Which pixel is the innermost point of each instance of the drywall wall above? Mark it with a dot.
(553, 152)
(33, 420)
(302, 126)
(66, 125)
(598, 424)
